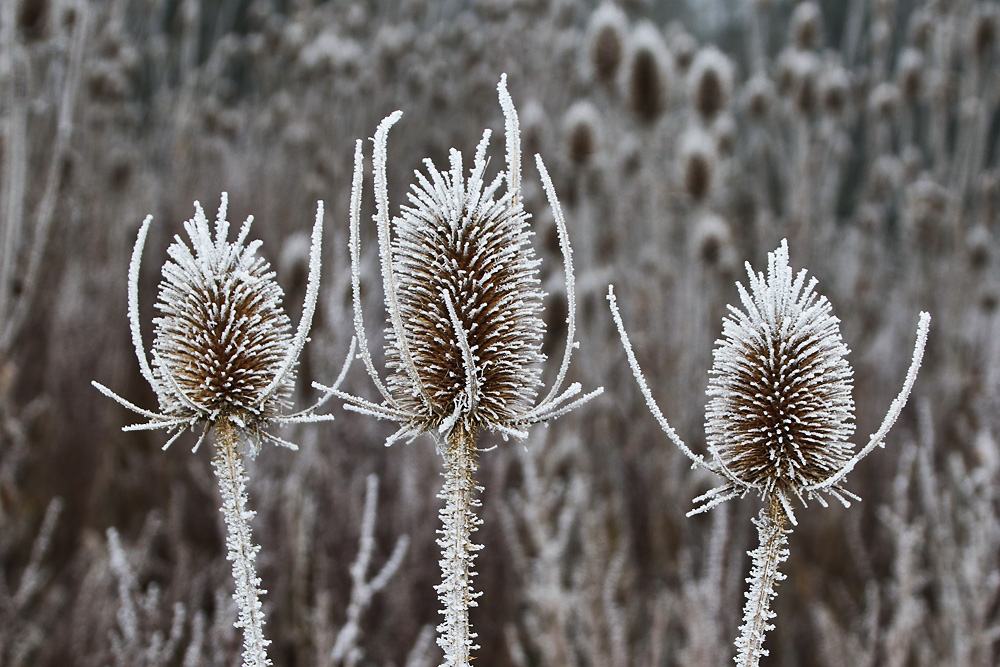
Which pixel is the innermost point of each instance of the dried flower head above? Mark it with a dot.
(698, 163)
(464, 333)
(648, 73)
(223, 347)
(710, 83)
(806, 30)
(582, 128)
(780, 412)
(606, 41)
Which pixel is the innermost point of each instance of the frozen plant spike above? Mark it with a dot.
(224, 358)
(463, 338)
(780, 415)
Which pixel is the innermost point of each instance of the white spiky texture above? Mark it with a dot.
(466, 279)
(764, 579)
(222, 335)
(780, 413)
(460, 278)
(223, 348)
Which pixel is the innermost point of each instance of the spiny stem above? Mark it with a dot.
(459, 521)
(228, 463)
(763, 577)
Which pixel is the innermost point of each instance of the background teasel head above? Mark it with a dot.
(224, 348)
(459, 270)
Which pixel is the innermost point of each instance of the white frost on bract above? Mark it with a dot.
(223, 344)
(462, 296)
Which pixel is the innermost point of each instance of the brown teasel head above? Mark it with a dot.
(606, 31)
(710, 82)
(780, 413)
(466, 275)
(222, 336)
(648, 73)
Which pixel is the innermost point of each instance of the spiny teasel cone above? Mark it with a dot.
(582, 127)
(710, 83)
(780, 413)
(606, 41)
(779, 416)
(222, 335)
(463, 339)
(224, 357)
(698, 164)
(806, 31)
(648, 73)
(462, 259)
(223, 346)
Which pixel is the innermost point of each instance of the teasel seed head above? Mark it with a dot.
(222, 334)
(911, 74)
(582, 125)
(606, 41)
(682, 45)
(648, 73)
(807, 26)
(712, 243)
(779, 410)
(758, 96)
(464, 334)
(699, 163)
(984, 27)
(223, 349)
(835, 90)
(710, 83)
(462, 256)
(780, 413)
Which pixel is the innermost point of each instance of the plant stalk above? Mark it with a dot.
(764, 576)
(229, 470)
(459, 521)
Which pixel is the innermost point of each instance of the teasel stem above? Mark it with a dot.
(764, 576)
(459, 521)
(228, 464)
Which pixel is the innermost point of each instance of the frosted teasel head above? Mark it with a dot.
(605, 41)
(223, 347)
(462, 295)
(780, 413)
(710, 83)
(648, 73)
